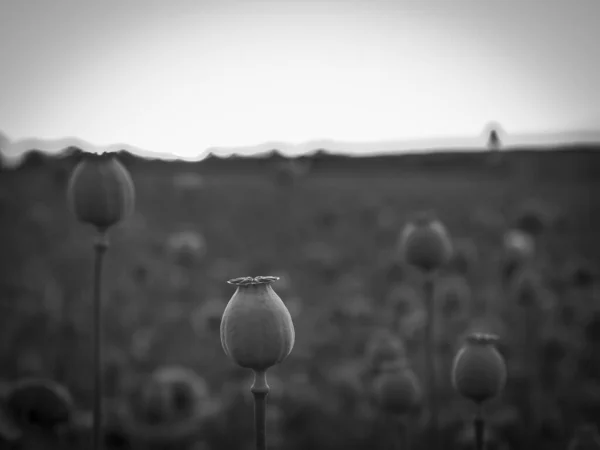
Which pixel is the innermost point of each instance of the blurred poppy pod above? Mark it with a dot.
(403, 300)
(168, 407)
(519, 244)
(464, 256)
(528, 290)
(397, 390)
(533, 218)
(580, 274)
(185, 389)
(454, 297)
(425, 243)
(479, 371)
(100, 191)
(39, 403)
(383, 347)
(257, 331)
(187, 246)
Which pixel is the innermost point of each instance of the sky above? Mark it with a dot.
(183, 76)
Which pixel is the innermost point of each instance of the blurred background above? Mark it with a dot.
(206, 80)
(525, 230)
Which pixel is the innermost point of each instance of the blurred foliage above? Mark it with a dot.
(330, 231)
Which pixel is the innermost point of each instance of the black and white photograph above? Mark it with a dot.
(300, 225)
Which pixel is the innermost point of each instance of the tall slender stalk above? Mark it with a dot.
(430, 356)
(401, 435)
(260, 390)
(531, 356)
(479, 425)
(100, 247)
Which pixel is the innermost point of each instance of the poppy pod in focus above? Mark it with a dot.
(479, 370)
(425, 243)
(257, 331)
(397, 390)
(100, 191)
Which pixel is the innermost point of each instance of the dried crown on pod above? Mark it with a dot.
(425, 243)
(257, 331)
(479, 370)
(100, 191)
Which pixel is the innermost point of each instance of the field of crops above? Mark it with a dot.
(330, 232)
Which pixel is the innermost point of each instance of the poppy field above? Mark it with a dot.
(524, 232)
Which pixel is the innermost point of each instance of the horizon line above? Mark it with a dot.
(13, 152)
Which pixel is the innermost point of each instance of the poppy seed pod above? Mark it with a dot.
(425, 243)
(39, 403)
(479, 370)
(100, 191)
(257, 331)
(397, 390)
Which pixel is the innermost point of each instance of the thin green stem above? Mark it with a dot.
(479, 425)
(260, 390)
(430, 355)
(100, 247)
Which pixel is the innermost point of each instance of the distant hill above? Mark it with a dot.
(13, 151)
(567, 162)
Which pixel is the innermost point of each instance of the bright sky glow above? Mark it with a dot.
(183, 76)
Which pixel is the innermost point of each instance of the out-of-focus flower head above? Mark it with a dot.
(454, 297)
(519, 242)
(425, 242)
(397, 390)
(39, 404)
(533, 217)
(465, 256)
(528, 291)
(518, 251)
(479, 370)
(168, 406)
(383, 346)
(402, 300)
(581, 274)
(100, 191)
(186, 246)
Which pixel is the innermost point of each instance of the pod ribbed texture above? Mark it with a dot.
(426, 244)
(479, 371)
(257, 331)
(397, 391)
(100, 191)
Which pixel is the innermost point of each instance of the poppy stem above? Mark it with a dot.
(479, 425)
(402, 438)
(100, 248)
(260, 390)
(430, 355)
